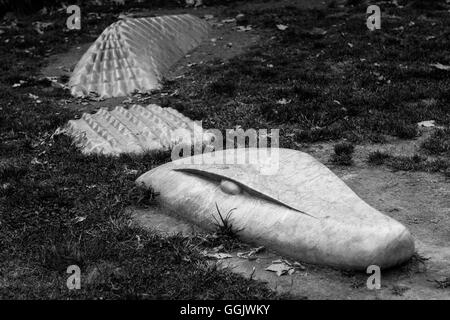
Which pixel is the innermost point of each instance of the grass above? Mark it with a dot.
(377, 157)
(348, 84)
(59, 208)
(429, 4)
(343, 152)
(225, 226)
(419, 163)
(415, 162)
(438, 143)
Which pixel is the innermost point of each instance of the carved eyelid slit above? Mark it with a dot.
(220, 178)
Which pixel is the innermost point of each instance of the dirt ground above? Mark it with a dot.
(421, 201)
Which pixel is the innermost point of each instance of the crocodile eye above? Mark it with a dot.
(229, 187)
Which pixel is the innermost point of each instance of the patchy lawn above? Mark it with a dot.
(327, 77)
(59, 208)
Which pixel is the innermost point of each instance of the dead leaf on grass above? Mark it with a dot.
(282, 267)
(243, 29)
(440, 66)
(251, 254)
(282, 27)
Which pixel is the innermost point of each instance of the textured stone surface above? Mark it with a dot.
(134, 54)
(134, 130)
(304, 211)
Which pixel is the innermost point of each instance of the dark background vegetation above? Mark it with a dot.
(349, 83)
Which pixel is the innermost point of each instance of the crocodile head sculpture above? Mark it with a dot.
(303, 210)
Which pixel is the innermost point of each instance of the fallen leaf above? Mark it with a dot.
(219, 256)
(35, 161)
(243, 29)
(230, 20)
(130, 171)
(299, 266)
(427, 123)
(279, 267)
(440, 66)
(218, 248)
(282, 27)
(33, 96)
(282, 266)
(317, 32)
(250, 255)
(79, 219)
(21, 82)
(240, 16)
(283, 101)
(40, 27)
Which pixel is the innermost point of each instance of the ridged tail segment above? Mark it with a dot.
(135, 130)
(134, 54)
